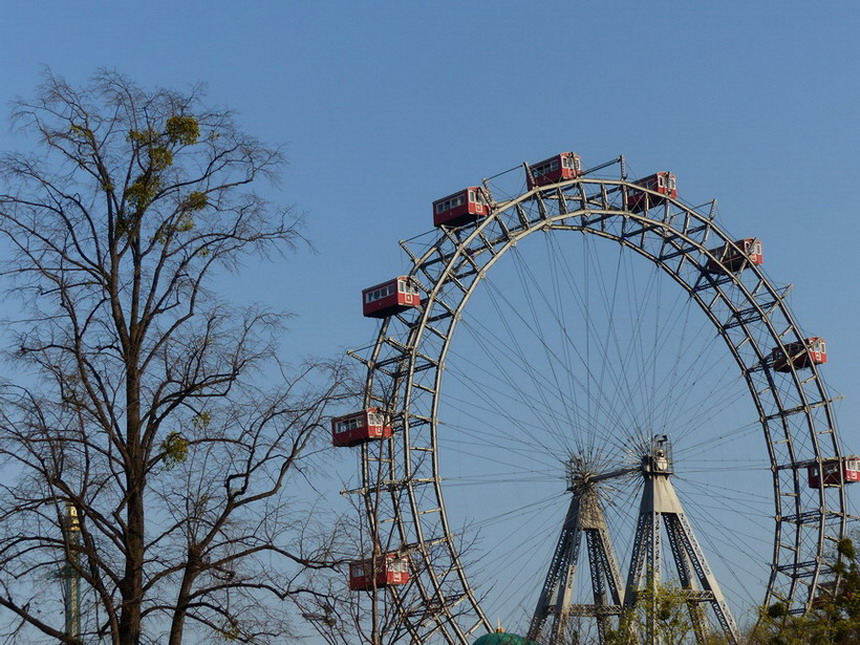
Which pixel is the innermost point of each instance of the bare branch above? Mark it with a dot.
(146, 414)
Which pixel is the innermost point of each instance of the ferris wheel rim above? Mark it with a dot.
(460, 240)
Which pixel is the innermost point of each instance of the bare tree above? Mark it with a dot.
(378, 613)
(141, 411)
(375, 615)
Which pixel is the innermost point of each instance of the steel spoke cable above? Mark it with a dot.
(629, 396)
(623, 393)
(525, 364)
(526, 517)
(703, 517)
(609, 305)
(678, 383)
(504, 374)
(556, 260)
(498, 440)
(683, 411)
(747, 497)
(715, 441)
(703, 417)
(489, 459)
(552, 357)
(589, 374)
(485, 481)
(548, 407)
(583, 304)
(532, 431)
(751, 515)
(556, 306)
(635, 347)
(718, 537)
(481, 390)
(585, 310)
(672, 374)
(492, 565)
(533, 506)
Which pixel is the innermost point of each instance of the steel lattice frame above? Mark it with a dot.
(401, 484)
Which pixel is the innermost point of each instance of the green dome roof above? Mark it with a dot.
(501, 638)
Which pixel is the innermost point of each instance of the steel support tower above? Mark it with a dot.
(661, 507)
(584, 517)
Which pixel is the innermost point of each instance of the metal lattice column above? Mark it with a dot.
(584, 517)
(661, 505)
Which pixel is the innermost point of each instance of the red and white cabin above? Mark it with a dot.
(460, 208)
(850, 467)
(389, 298)
(391, 569)
(812, 351)
(663, 183)
(564, 166)
(730, 259)
(359, 427)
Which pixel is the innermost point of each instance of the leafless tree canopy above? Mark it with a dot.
(140, 405)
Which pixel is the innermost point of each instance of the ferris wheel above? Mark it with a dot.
(612, 342)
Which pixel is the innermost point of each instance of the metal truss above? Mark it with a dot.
(401, 481)
(660, 505)
(584, 517)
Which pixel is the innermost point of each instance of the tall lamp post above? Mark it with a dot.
(72, 578)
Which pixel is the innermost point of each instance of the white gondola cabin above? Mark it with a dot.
(663, 183)
(849, 467)
(391, 569)
(729, 258)
(359, 427)
(389, 298)
(461, 208)
(561, 167)
(800, 354)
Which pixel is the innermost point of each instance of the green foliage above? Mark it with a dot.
(661, 608)
(145, 137)
(845, 548)
(160, 157)
(777, 610)
(183, 130)
(175, 449)
(201, 421)
(142, 191)
(81, 132)
(834, 618)
(195, 201)
(230, 632)
(184, 223)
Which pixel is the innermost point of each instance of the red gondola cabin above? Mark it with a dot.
(359, 427)
(850, 472)
(389, 298)
(663, 183)
(391, 569)
(460, 208)
(561, 167)
(730, 259)
(801, 354)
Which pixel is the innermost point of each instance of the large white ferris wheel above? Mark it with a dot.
(584, 386)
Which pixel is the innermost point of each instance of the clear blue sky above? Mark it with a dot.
(385, 106)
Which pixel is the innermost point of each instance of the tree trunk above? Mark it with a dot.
(132, 583)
